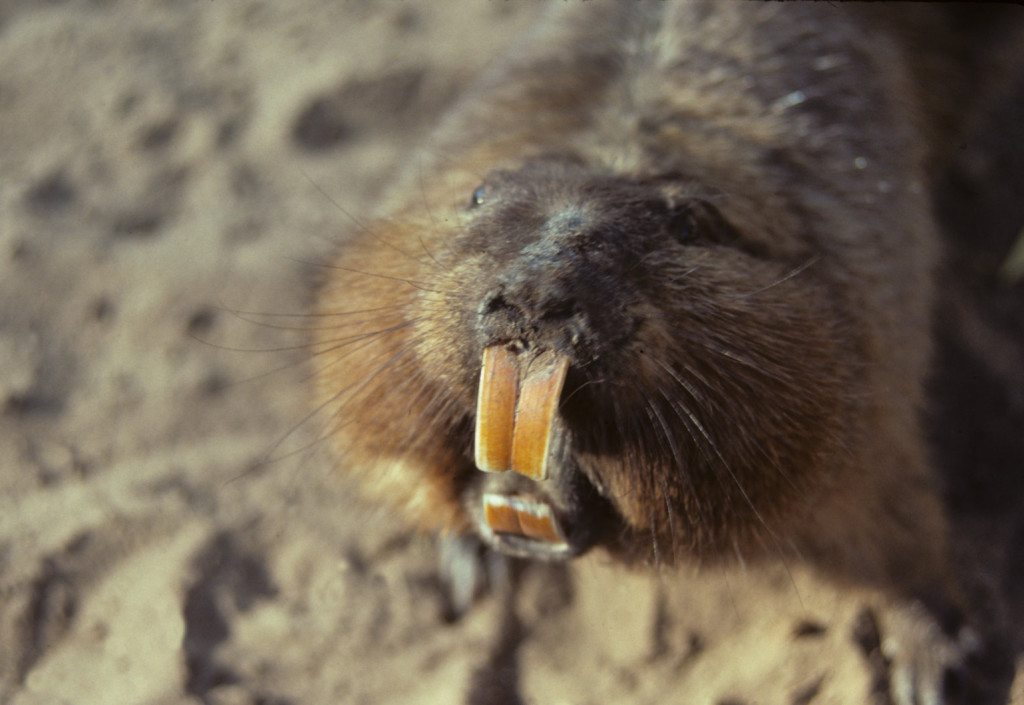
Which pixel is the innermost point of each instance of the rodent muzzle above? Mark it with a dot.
(553, 284)
(546, 314)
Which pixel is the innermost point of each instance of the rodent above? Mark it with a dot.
(701, 235)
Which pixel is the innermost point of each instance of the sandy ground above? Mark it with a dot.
(171, 531)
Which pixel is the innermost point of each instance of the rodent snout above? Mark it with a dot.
(534, 311)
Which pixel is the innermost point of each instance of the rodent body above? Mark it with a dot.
(718, 215)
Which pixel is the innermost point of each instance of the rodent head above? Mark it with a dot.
(700, 386)
(552, 251)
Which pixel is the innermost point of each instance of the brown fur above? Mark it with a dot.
(749, 387)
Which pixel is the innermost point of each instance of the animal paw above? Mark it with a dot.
(468, 569)
(919, 659)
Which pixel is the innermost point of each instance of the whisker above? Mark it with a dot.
(793, 273)
(579, 389)
(359, 323)
(305, 314)
(363, 227)
(228, 348)
(433, 221)
(668, 439)
(324, 432)
(337, 267)
(702, 399)
(685, 414)
(367, 337)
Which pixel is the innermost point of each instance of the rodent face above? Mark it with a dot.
(700, 391)
(554, 258)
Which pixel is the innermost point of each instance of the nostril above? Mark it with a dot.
(545, 311)
(495, 302)
(532, 299)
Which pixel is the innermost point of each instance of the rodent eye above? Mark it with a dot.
(685, 226)
(701, 222)
(477, 199)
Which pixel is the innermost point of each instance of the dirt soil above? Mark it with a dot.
(172, 531)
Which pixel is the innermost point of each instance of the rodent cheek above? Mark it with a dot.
(424, 487)
(444, 330)
(629, 473)
(626, 489)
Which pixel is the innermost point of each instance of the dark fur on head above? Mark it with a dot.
(705, 374)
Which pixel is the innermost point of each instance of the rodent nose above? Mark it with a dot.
(532, 297)
(535, 309)
(543, 317)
